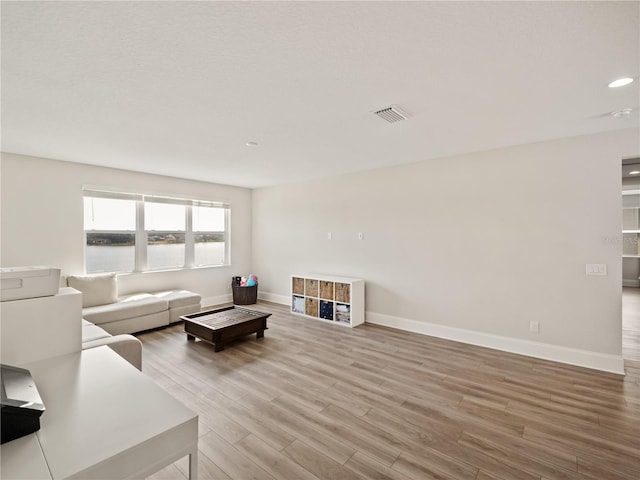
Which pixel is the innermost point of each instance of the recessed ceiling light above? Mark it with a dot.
(251, 144)
(625, 112)
(635, 172)
(621, 82)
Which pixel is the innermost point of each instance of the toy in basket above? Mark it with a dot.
(245, 290)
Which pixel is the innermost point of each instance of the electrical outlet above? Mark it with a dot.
(534, 327)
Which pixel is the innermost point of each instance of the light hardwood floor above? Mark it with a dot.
(316, 400)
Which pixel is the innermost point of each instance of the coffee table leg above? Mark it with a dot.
(218, 347)
(190, 338)
(260, 334)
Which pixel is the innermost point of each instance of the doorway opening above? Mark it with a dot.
(631, 259)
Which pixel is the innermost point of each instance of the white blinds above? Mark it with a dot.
(94, 193)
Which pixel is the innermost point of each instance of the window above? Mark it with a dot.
(209, 232)
(136, 232)
(110, 226)
(164, 224)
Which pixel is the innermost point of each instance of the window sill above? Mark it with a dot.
(177, 269)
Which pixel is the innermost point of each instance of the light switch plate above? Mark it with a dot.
(596, 269)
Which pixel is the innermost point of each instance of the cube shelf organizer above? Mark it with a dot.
(330, 298)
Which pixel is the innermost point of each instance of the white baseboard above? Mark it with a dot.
(630, 283)
(545, 351)
(572, 356)
(217, 300)
(275, 298)
(228, 298)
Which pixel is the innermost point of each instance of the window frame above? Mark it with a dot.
(141, 235)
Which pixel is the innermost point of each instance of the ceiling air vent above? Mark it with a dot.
(391, 114)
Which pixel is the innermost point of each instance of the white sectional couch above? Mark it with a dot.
(130, 313)
(127, 346)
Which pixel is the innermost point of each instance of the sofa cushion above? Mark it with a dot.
(137, 324)
(179, 298)
(127, 346)
(126, 307)
(98, 289)
(92, 332)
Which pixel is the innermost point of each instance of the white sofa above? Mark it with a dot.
(102, 306)
(127, 346)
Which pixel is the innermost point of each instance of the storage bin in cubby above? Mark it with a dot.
(326, 310)
(326, 290)
(297, 286)
(297, 304)
(310, 287)
(311, 306)
(343, 292)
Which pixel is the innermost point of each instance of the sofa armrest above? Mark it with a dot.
(127, 346)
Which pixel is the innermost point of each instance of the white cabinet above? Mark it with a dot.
(43, 327)
(329, 298)
(631, 237)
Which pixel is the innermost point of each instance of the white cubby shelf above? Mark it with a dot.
(330, 298)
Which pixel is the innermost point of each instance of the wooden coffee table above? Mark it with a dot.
(224, 325)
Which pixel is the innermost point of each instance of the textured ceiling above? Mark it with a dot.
(179, 88)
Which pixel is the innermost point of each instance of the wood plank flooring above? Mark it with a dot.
(314, 400)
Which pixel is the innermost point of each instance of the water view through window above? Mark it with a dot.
(162, 226)
(105, 258)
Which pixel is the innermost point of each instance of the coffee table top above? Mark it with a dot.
(224, 317)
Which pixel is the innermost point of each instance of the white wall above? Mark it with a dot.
(472, 247)
(42, 221)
